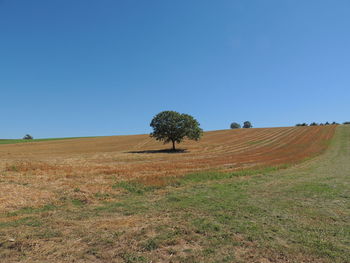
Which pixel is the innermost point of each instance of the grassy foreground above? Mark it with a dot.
(299, 214)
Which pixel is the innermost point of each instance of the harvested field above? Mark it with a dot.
(54, 209)
(37, 173)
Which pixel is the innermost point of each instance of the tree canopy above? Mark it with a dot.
(171, 126)
(28, 137)
(235, 125)
(247, 124)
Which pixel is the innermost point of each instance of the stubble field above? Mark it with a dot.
(223, 199)
(40, 172)
(34, 174)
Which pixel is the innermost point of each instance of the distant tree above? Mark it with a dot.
(313, 124)
(346, 123)
(247, 124)
(235, 125)
(28, 137)
(301, 124)
(335, 123)
(327, 123)
(171, 126)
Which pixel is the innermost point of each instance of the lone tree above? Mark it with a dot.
(171, 126)
(247, 124)
(28, 137)
(235, 125)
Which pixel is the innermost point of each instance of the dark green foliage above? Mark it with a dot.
(28, 137)
(235, 125)
(301, 124)
(247, 124)
(171, 126)
(318, 124)
(346, 123)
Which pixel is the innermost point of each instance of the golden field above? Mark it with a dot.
(34, 174)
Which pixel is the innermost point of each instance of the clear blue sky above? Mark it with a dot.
(88, 67)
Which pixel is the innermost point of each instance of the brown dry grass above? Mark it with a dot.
(33, 174)
(292, 215)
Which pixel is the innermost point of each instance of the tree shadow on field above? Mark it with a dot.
(161, 151)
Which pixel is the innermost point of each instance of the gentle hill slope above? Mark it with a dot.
(94, 164)
(223, 143)
(299, 214)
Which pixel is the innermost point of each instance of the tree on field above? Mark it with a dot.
(335, 123)
(327, 123)
(247, 124)
(235, 125)
(28, 137)
(346, 123)
(171, 126)
(313, 124)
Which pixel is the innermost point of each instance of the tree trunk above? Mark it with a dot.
(173, 145)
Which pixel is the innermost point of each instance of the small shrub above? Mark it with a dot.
(150, 245)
